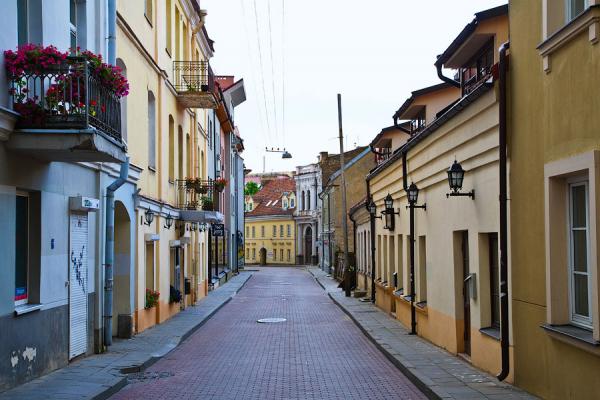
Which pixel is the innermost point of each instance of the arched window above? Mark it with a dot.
(151, 130)
(123, 101)
(303, 205)
(171, 148)
(308, 200)
(180, 152)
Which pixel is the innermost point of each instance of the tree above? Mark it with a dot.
(251, 189)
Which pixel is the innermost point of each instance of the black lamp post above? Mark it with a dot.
(389, 212)
(456, 175)
(413, 196)
(372, 208)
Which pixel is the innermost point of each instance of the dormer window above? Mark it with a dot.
(418, 122)
(478, 69)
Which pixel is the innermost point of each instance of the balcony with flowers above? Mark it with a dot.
(198, 199)
(194, 83)
(69, 105)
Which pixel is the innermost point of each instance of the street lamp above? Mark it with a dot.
(413, 195)
(168, 221)
(284, 153)
(456, 175)
(389, 212)
(372, 208)
(148, 217)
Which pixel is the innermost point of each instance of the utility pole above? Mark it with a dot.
(344, 211)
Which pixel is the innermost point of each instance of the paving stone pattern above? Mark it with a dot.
(99, 376)
(441, 374)
(318, 353)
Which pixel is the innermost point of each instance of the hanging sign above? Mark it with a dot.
(218, 230)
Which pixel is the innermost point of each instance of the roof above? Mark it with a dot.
(469, 29)
(361, 204)
(332, 162)
(267, 202)
(347, 165)
(417, 93)
(458, 107)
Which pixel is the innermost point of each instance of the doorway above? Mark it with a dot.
(263, 256)
(308, 245)
(78, 281)
(122, 315)
(465, 292)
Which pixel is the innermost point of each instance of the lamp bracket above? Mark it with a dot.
(470, 194)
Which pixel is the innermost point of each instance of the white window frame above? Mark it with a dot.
(576, 319)
(569, 14)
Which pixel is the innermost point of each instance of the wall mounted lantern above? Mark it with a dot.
(372, 208)
(169, 221)
(202, 227)
(456, 175)
(193, 227)
(148, 217)
(389, 212)
(413, 195)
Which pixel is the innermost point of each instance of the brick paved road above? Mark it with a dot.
(317, 354)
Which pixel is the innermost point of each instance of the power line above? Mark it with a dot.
(262, 78)
(283, 69)
(265, 134)
(272, 69)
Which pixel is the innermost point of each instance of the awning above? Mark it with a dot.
(201, 216)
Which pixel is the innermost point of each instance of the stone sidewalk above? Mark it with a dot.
(99, 376)
(439, 374)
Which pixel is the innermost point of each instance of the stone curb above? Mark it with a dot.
(153, 359)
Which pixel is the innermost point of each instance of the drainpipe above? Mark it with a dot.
(354, 248)
(109, 250)
(372, 239)
(112, 32)
(504, 318)
(440, 75)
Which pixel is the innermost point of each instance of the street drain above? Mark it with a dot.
(148, 376)
(270, 320)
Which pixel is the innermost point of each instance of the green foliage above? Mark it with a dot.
(251, 189)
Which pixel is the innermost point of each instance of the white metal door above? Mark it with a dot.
(78, 284)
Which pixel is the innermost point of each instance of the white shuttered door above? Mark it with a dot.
(78, 263)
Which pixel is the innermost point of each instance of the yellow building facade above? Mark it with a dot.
(554, 127)
(159, 42)
(456, 246)
(269, 223)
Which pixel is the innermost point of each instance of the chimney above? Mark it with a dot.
(323, 156)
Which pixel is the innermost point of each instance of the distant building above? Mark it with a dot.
(308, 211)
(270, 227)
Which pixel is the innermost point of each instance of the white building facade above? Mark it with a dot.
(308, 211)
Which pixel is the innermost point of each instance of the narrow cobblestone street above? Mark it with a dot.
(318, 353)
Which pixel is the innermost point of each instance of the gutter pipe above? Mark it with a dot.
(504, 317)
(109, 250)
(413, 310)
(440, 75)
(372, 227)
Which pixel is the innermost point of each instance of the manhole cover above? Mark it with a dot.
(147, 376)
(270, 320)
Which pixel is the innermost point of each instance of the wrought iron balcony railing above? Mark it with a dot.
(193, 76)
(66, 96)
(197, 194)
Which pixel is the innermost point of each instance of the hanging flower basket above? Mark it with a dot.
(220, 184)
(152, 298)
(207, 204)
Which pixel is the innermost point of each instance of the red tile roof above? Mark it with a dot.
(267, 202)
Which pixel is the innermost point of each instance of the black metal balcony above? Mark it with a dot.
(66, 114)
(194, 83)
(196, 194)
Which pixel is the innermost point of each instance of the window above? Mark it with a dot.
(23, 21)
(292, 202)
(285, 204)
(289, 230)
(150, 265)
(247, 231)
(281, 254)
(574, 8)
(253, 232)
(22, 260)
(151, 130)
(73, 24)
(169, 29)
(177, 34)
(275, 255)
(262, 231)
(148, 12)
(417, 123)
(180, 152)
(422, 274)
(308, 200)
(280, 230)
(579, 271)
(171, 149)
(303, 205)
(253, 254)
(494, 280)
(289, 255)
(274, 230)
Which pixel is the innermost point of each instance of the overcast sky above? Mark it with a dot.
(296, 55)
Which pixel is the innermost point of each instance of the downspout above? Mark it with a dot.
(109, 250)
(504, 317)
(354, 249)
(440, 75)
(372, 239)
(413, 311)
(109, 243)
